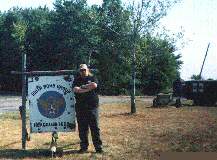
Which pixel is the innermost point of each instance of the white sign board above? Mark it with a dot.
(51, 103)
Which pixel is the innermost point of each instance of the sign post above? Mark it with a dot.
(23, 107)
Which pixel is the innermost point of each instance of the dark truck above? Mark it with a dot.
(202, 92)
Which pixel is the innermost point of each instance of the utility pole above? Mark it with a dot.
(204, 61)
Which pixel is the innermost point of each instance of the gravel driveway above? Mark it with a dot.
(12, 103)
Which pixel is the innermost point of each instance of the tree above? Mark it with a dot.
(157, 66)
(10, 50)
(144, 19)
(113, 47)
(114, 37)
(71, 33)
(37, 45)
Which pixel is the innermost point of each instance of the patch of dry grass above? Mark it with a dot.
(144, 135)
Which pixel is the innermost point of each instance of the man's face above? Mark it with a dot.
(84, 72)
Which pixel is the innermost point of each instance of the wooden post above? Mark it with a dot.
(23, 108)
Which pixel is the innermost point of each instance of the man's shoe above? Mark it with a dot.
(99, 150)
(82, 151)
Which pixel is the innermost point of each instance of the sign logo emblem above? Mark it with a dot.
(51, 104)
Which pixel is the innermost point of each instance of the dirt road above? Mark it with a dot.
(12, 103)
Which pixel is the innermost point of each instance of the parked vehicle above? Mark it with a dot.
(202, 92)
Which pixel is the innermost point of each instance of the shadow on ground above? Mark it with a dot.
(35, 153)
(109, 115)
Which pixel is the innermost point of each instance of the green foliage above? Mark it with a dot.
(19, 32)
(38, 45)
(157, 66)
(72, 33)
(113, 48)
(9, 50)
(196, 77)
(102, 36)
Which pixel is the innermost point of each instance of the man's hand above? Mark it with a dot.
(76, 89)
(83, 87)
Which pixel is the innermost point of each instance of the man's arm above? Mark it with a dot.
(80, 90)
(85, 88)
(90, 86)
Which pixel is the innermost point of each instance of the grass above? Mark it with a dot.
(144, 135)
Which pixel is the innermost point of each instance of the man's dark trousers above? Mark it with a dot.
(86, 119)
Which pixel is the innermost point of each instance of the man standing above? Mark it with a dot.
(86, 107)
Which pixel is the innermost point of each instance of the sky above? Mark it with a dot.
(198, 20)
(195, 18)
